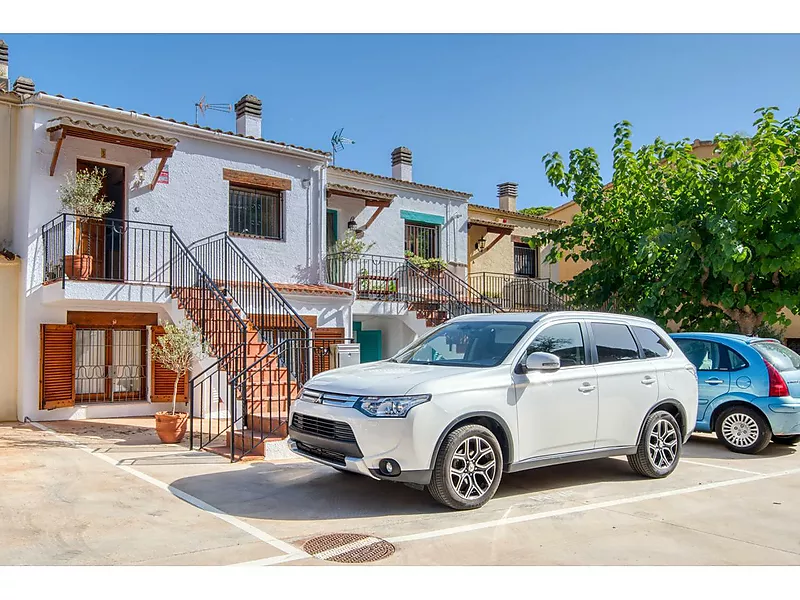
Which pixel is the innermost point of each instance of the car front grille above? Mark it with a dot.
(323, 453)
(332, 430)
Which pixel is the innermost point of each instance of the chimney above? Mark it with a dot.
(401, 163)
(507, 193)
(248, 116)
(3, 66)
(23, 85)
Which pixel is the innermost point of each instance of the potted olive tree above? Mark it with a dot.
(175, 351)
(81, 196)
(346, 251)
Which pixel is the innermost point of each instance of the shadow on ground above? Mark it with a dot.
(306, 491)
(707, 446)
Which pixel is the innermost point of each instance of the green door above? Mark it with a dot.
(370, 340)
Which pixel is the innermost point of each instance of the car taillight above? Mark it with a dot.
(777, 385)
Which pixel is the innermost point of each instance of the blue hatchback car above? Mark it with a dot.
(749, 389)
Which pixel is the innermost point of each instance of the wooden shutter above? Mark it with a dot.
(57, 366)
(324, 338)
(163, 380)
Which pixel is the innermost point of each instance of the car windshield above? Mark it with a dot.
(466, 344)
(778, 355)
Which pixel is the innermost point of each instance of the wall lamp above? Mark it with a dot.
(351, 224)
(480, 245)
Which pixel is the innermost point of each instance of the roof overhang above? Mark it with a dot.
(370, 197)
(491, 226)
(61, 128)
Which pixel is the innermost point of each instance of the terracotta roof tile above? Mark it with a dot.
(488, 223)
(518, 215)
(335, 187)
(414, 184)
(169, 120)
(54, 124)
(310, 289)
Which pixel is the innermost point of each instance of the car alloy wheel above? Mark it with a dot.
(662, 444)
(473, 468)
(740, 430)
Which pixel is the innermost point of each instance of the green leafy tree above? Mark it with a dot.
(536, 211)
(708, 243)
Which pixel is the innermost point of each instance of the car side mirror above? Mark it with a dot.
(542, 361)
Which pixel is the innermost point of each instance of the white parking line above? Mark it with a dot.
(204, 506)
(702, 464)
(506, 520)
(580, 509)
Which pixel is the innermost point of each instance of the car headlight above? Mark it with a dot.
(390, 406)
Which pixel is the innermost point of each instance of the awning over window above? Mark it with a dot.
(370, 197)
(159, 146)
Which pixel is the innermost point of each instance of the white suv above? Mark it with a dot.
(485, 394)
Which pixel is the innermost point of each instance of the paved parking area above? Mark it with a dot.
(107, 493)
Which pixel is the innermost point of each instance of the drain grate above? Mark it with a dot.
(348, 548)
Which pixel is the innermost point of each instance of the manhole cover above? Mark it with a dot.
(348, 548)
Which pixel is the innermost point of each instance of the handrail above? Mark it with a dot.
(517, 292)
(252, 275)
(268, 385)
(455, 296)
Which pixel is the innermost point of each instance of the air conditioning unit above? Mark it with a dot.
(345, 355)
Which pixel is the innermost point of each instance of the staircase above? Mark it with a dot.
(433, 297)
(243, 398)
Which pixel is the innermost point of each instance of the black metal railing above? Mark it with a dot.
(387, 278)
(105, 249)
(262, 393)
(262, 303)
(515, 293)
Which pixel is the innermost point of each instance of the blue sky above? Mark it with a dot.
(476, 110)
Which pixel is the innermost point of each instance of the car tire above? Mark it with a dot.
(786, 440)
(660, 446)
(468, 468)
(743, 429)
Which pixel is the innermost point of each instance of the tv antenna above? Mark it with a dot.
(201, 107)
(338, 142)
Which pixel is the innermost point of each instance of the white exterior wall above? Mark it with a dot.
(195, 202)
(387, 231)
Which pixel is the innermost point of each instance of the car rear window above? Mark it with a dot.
(652, 344)
(778, 355)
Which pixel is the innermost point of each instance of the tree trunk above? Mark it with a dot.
(175, 392)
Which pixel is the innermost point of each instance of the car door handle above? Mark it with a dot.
(713, 381)
(586, 387)
(648, 379)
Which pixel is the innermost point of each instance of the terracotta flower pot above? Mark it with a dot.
(171, 428)
(78, 266)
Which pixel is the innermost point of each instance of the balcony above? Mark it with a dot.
(518, 293)
(125, 260)
(392, 279)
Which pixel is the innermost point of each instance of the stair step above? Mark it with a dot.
(253, 442)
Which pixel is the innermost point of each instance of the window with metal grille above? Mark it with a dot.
(256, 212)
(526, 260)
(422, 239)
(110, 364)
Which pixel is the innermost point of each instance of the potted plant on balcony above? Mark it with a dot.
(432, 266)
(81, 196)
(344, 252)
(175, 351)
